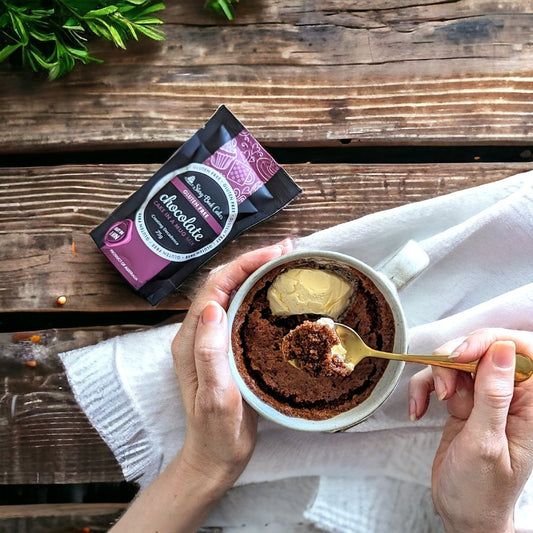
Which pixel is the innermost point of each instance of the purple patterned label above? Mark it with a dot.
(131, 257)
(244, 163)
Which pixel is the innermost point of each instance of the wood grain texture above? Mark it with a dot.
(296, 73)
(44, 435)
(64, 518)
(43, 211)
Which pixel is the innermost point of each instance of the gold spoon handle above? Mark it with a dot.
(523, 368)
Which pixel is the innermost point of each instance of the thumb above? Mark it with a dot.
(211, 348)
(493, 389)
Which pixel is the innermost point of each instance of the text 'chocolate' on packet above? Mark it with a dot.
(215, 186)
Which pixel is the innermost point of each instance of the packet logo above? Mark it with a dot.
(187, 214)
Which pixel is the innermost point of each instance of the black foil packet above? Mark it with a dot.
(215, 186)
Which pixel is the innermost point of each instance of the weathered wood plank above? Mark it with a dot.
(43, 211)
(44, 435)
(67, 518)
(314, 72)
(36, 349)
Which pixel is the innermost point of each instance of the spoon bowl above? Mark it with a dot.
(356, 350)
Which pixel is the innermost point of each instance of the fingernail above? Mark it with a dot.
(287, 244)
(212, 314)
(504, 355)
(412, 410)
(458, 351)
(440, 388)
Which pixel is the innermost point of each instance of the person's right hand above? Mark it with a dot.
(486, 452)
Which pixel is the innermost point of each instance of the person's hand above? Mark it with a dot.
(486, 451)
(221, 428)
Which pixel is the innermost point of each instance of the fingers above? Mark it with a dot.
(460, 404)
(478, 342)
(218, 288)
(446, 379)
(223, 281)
(209, 370)
(472, 348)
(493, 390)
(221, 428)
(443, 381)
(421, 385)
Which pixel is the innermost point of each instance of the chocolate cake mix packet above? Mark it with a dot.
(215, 186)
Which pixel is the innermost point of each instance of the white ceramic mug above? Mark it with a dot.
(389, 276)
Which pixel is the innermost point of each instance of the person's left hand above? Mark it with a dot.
(221, 427)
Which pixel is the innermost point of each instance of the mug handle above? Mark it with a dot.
(404, 265)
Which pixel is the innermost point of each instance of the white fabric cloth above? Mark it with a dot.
(480, 244)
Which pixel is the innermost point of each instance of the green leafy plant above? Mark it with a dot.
(52, 35)
(222, 6)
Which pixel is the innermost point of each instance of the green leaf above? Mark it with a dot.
(99, 29)
(97, 13)
(221, 6)
(156, 35)
(149, 20)
(43, 37)
(40, 60)
(41, 13)
(4, 20)
(152, 9)
(28, 59)
(81, 54)
(19, 28)
(117, 38)
(55, 72)
(225, 7)
(8, 50)
(129, 28)
(73, 24)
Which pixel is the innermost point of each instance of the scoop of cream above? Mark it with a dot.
(308, 290)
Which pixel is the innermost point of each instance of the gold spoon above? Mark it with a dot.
(356, 350)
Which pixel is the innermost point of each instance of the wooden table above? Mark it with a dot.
(368, 105)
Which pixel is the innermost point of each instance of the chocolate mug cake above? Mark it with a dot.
(302, 290)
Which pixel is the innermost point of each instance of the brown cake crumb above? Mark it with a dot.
(316, 348)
